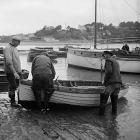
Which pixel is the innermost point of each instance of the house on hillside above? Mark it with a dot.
(50, 39)
(81, 28)
(48, 27)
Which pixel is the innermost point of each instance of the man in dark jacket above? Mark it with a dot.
(112, 82)
(125, 48)
(43, 73)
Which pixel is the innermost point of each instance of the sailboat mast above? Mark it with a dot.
(95, 33)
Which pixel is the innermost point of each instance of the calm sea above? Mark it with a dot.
(65, 72)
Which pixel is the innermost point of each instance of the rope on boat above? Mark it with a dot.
(56, 82)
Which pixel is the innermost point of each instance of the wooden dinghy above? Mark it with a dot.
(3, 81)
(80, 93)
(33, 52)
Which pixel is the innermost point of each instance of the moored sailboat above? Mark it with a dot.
(92, 59)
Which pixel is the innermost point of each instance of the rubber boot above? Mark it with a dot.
(48, 94)
(38, 100)
(114, 102)
(11, 95)
(13, 102)
(46, 100)
(103, 101)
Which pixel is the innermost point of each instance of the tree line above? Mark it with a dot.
(104, 32)
(123, 30)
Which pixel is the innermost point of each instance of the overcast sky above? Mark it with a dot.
(27, 16)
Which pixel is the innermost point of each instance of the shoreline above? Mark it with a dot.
(65, 43)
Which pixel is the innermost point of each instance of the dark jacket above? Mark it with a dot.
(42, 64)
(112, 72)
(125, 48)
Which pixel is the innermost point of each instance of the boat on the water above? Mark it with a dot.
(76, 92)
(38, 50)
(65, 48)
(1, 56)
(87, 59)
(23, 52)
(1, 50)
(1, 60)
(3, 81)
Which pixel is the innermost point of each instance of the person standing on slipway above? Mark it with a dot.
(12, 67)
(112, 82)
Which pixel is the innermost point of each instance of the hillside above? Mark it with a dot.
(129, 31)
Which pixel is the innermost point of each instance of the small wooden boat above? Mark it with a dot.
(80, 93)
(61, 54)
(37, 51)
(1, 50)
(3, 81)
(65, 48)
(1, 60)
(23, 52)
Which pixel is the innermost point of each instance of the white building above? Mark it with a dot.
(82, 28)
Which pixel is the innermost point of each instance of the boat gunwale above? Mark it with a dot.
(124, 58)
(78, 88)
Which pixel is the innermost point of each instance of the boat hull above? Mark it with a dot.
(92, 60)
(3, 82)
(37, 51)
(79, 95)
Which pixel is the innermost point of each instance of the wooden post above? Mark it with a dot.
(95, 36)
(101, 69)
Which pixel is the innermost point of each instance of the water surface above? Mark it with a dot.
(84, 123)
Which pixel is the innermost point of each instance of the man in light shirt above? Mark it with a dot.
(12, 67)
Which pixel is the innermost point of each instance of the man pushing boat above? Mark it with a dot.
(43, 73)
(112, 82)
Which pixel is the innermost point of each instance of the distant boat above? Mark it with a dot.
(3, 81)
(77, 92)
(23, 52)
(1, 60)
(65, 48)
(1, 50)
(38, 50)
